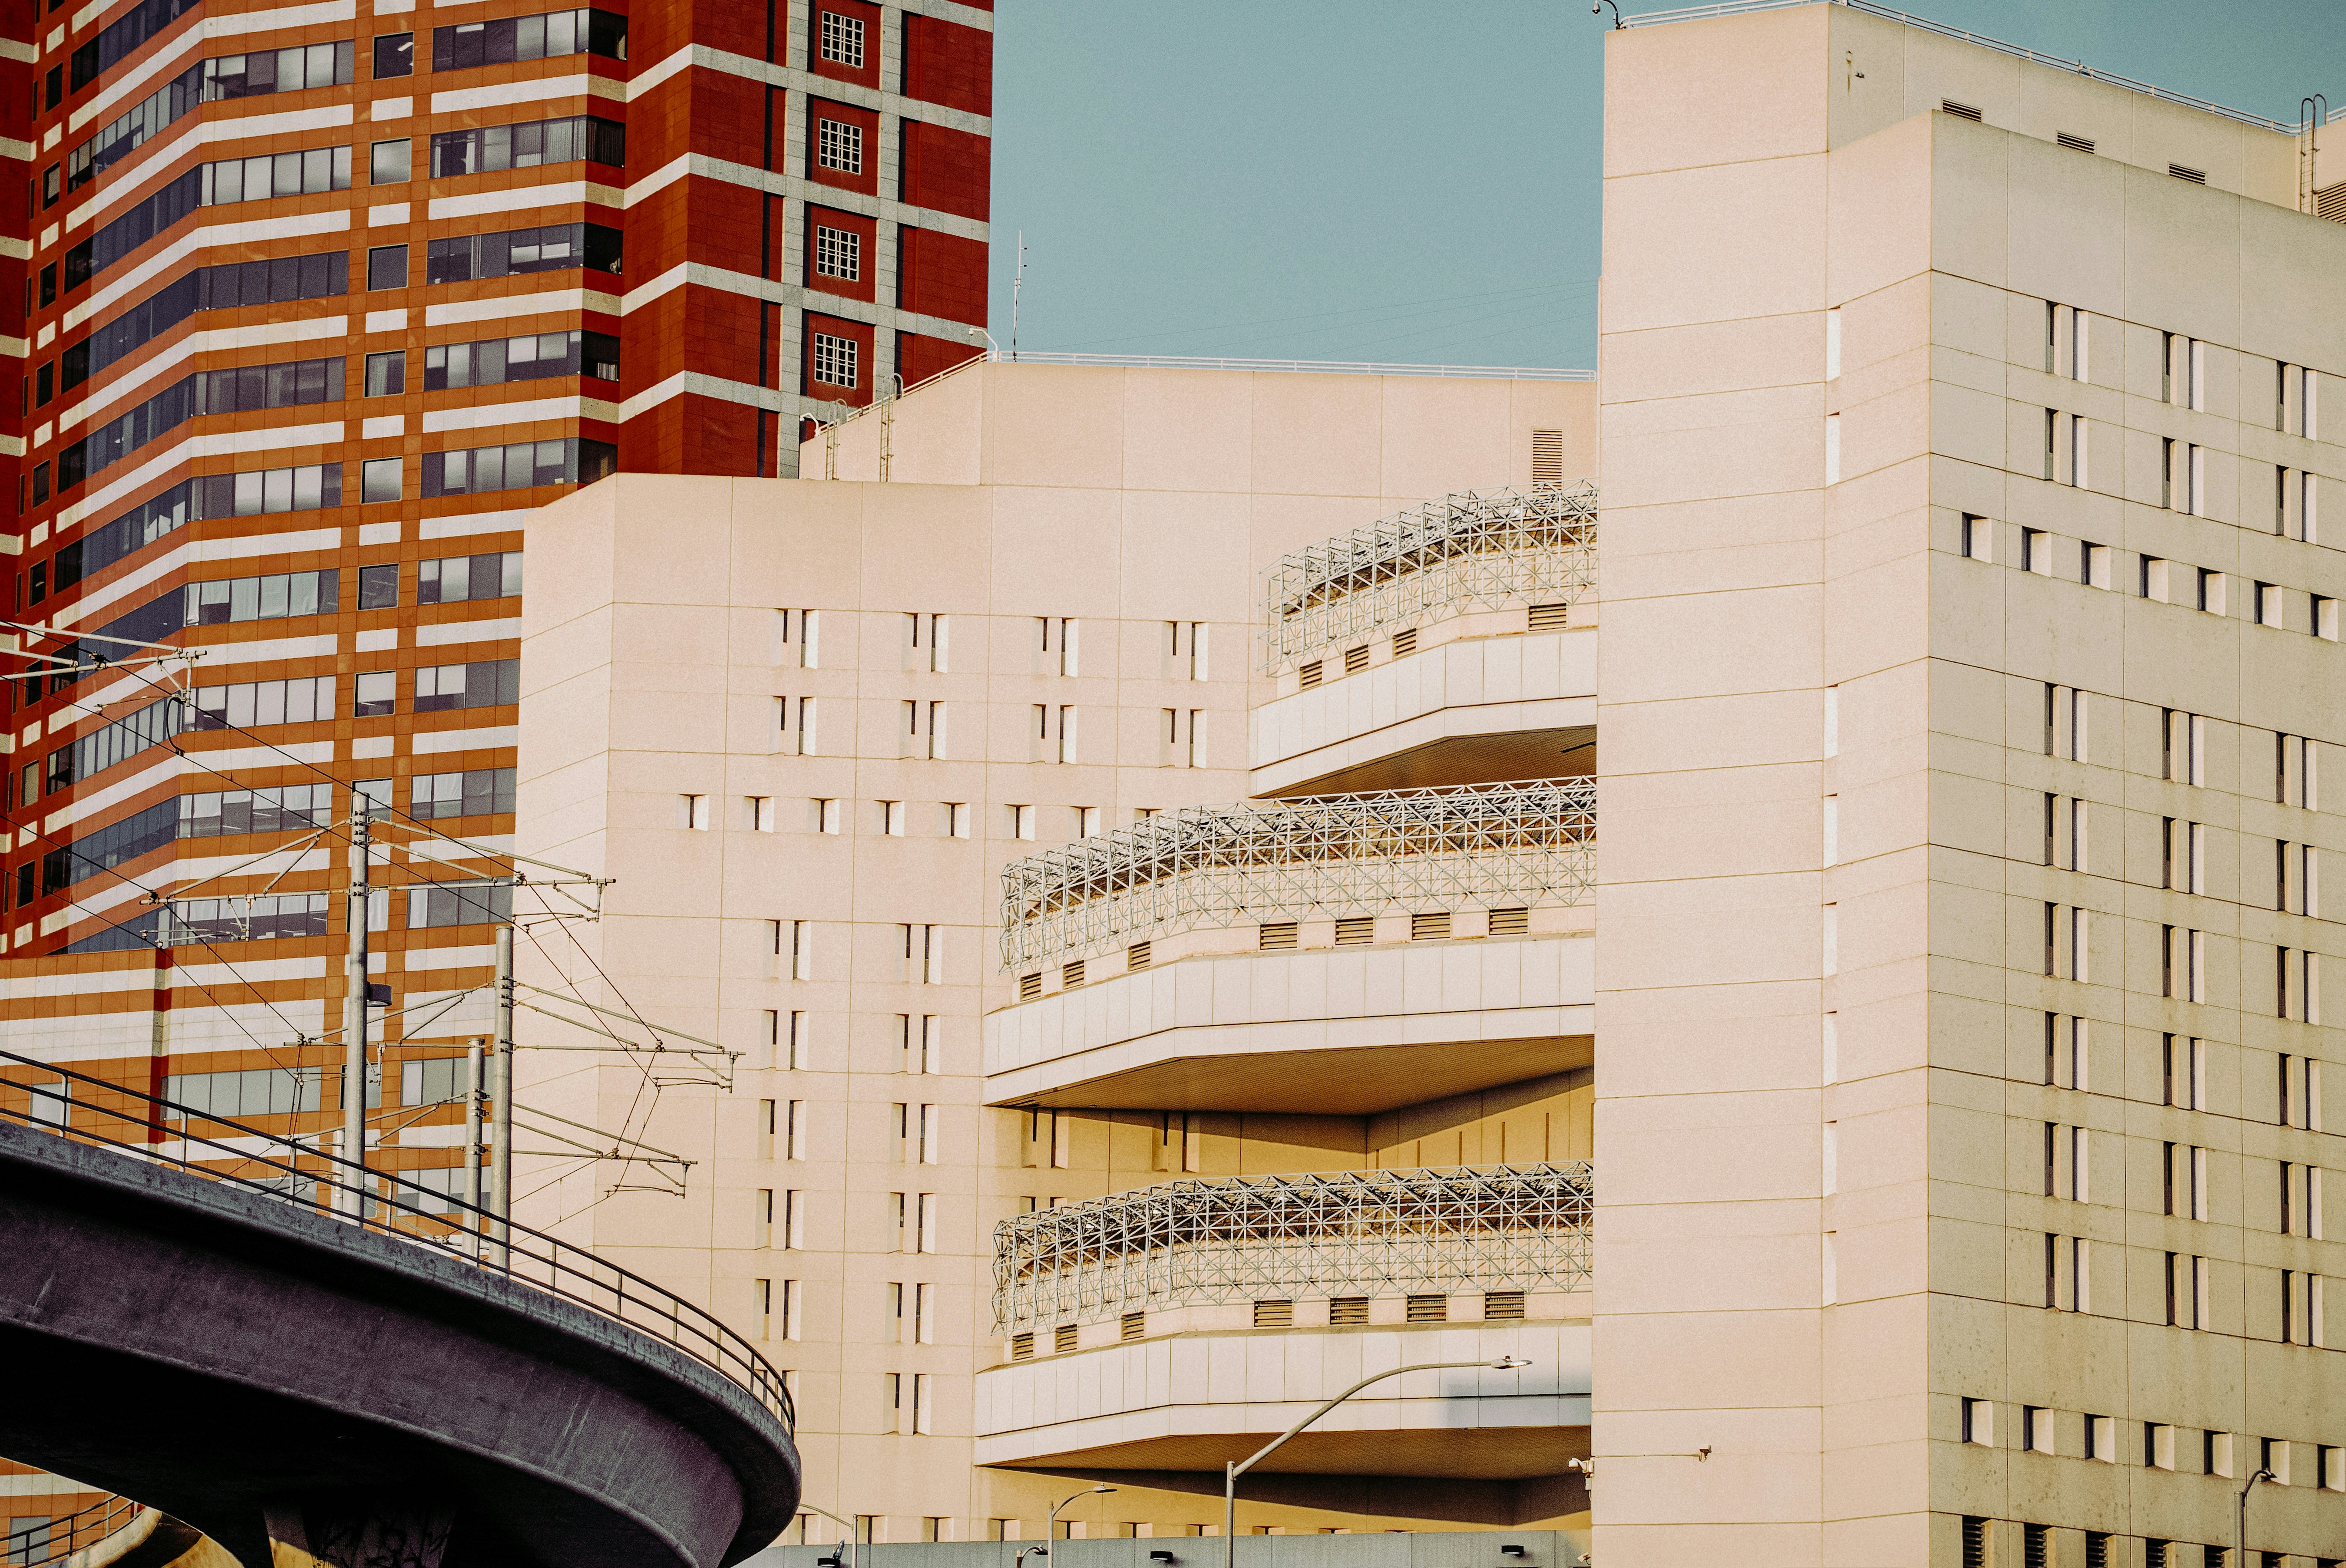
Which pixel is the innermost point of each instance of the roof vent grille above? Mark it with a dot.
(1548, 457)
(2330, 203)
(1963, 111)
(2073, 143)
(2195, 176)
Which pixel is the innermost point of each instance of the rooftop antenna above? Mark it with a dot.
(1017, 279)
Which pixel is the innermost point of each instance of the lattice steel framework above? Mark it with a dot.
(1269, 1237)
(1319, 856)
(1477, 550)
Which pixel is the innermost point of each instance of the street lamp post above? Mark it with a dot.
(1051, 1520)
(855, 1547)
(1232, 1470)
(2240, 1518)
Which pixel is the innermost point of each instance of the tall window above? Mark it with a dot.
(838, 253)
(834, 359)
(842, 39)
(840, 145)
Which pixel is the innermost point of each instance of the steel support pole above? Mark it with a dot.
(355, 1017)
(501, 1154)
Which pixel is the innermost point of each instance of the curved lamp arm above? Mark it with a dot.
(1231, 1471)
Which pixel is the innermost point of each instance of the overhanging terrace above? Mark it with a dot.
(1325, 856)
(1245, 1238)
(1476, 550)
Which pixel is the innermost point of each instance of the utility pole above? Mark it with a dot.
(501, 1152)
(354, 1015)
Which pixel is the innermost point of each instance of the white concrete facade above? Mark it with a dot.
(1966, 656)
(1082, 549)
(1941, 812)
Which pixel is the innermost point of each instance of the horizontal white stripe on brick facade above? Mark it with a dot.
(483, 416)
(465, 524)
(577, 85)
(519, 197)
(701, 166)
(797, 81)
(554, 301)
(89, 983)
(700, 385)
(92, 611)
(169, 62)
(191, 868)
(101, 397)
(225, 976)
(221, 656)
(230, 758)
(164, 767)
(447, 632)
(437, 740)
(452, 957)
(98, 503)
(169, 260)
(205, 133)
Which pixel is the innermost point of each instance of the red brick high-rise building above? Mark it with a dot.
(319, 301)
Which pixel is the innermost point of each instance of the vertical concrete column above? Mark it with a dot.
(1761, 673)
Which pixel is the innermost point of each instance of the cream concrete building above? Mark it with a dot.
(1967, 664)
(1138, 828)
(807, 725)
(1970, 665)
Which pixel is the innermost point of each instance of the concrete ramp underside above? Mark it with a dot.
(260, 1371)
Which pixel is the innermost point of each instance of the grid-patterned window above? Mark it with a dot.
(834, 359)
(842, 39)
(838, 252)
(840, 145)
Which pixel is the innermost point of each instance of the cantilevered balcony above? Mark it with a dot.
(1450, 644)
(1477, 550)
(1211, 957)
(1171, 1327)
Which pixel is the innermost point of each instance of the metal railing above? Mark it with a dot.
(55, 1540)
(1317, 857)
(2017, 51)
(286, 1169)
(1274, 1238)
(1472, 550)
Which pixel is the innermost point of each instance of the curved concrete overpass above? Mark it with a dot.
(260, 1371)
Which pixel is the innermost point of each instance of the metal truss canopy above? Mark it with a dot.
(1322, 856)
(1274, 1238)
(1477, 550)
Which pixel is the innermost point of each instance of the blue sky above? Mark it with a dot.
(1411, 180)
